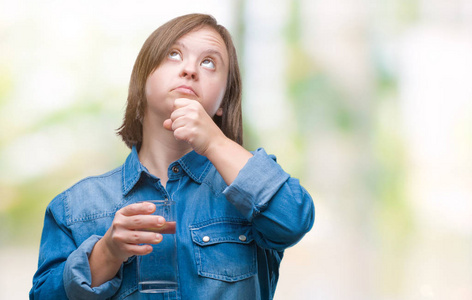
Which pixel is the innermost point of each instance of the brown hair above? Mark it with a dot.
(154, 51)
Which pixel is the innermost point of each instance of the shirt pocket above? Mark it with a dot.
(224, 249)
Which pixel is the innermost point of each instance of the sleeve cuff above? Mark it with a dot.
(78, 278)
(257, 182)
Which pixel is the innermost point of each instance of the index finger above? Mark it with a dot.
(182, 102)
(142, 208)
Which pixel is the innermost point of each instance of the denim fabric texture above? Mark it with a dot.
(230, 239)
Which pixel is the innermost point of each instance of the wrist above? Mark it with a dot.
(217, 147)
(228, 157)
(107, 254)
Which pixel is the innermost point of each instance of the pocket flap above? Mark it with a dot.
(222, 231)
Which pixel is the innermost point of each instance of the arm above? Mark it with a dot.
(280, 208)
(47, 282)
(92, 270)
(228, 157)
(63, 267)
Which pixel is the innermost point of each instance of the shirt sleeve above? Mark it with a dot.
(63, 268)
(280, 209)
(77, 275)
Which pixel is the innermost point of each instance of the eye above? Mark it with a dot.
(208, 63)
(175, 55)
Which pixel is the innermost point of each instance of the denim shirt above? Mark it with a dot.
(263, 203)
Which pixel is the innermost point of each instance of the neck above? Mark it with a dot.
(159, 149)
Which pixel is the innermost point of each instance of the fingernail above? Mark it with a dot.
(158, 237)
(160, 221)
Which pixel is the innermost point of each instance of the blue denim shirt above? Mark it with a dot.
(263, 203)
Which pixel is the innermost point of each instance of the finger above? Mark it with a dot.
(168, 124)
(181, 122)
(183, 134)
(178, 113)
(139, 249)
(167, 228)
(181, 102)
(142, 208)
(142, 237)
(187, 116)
(143, 222)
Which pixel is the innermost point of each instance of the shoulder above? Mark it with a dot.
(91, 197)
(108, 180)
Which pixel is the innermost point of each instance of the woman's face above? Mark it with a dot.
(196, 67)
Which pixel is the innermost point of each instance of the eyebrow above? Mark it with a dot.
(209, 51)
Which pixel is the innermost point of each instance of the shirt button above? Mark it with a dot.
(206, 239)
(175, 169)
(242, 238)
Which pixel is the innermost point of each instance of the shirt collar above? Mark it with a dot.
(131, 172)
(195, 165)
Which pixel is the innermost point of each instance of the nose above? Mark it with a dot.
(189, 71)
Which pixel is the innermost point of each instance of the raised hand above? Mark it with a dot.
(191, 123)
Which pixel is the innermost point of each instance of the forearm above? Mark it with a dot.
(78, 274)
(286, 219)
(66, 275)
(102, 267)
(228, 157)
(279, 208)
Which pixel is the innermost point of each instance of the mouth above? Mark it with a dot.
(186, 90)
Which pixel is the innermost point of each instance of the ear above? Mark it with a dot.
(219, 112)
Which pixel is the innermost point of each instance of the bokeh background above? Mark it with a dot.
(369, 103)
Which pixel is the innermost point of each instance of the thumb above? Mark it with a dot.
(168, 124)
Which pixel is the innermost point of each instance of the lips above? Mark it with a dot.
(186, 90)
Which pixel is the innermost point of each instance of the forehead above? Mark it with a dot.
(204, 39)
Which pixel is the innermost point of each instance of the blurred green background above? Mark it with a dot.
(369, 103)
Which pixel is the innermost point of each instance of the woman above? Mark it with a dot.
(184, 127)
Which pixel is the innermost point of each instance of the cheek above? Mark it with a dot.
(217, 93)
(222, 90)
(151, 88)
(147, 90)
(219, 89)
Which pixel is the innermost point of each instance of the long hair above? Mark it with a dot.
(153, 52)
